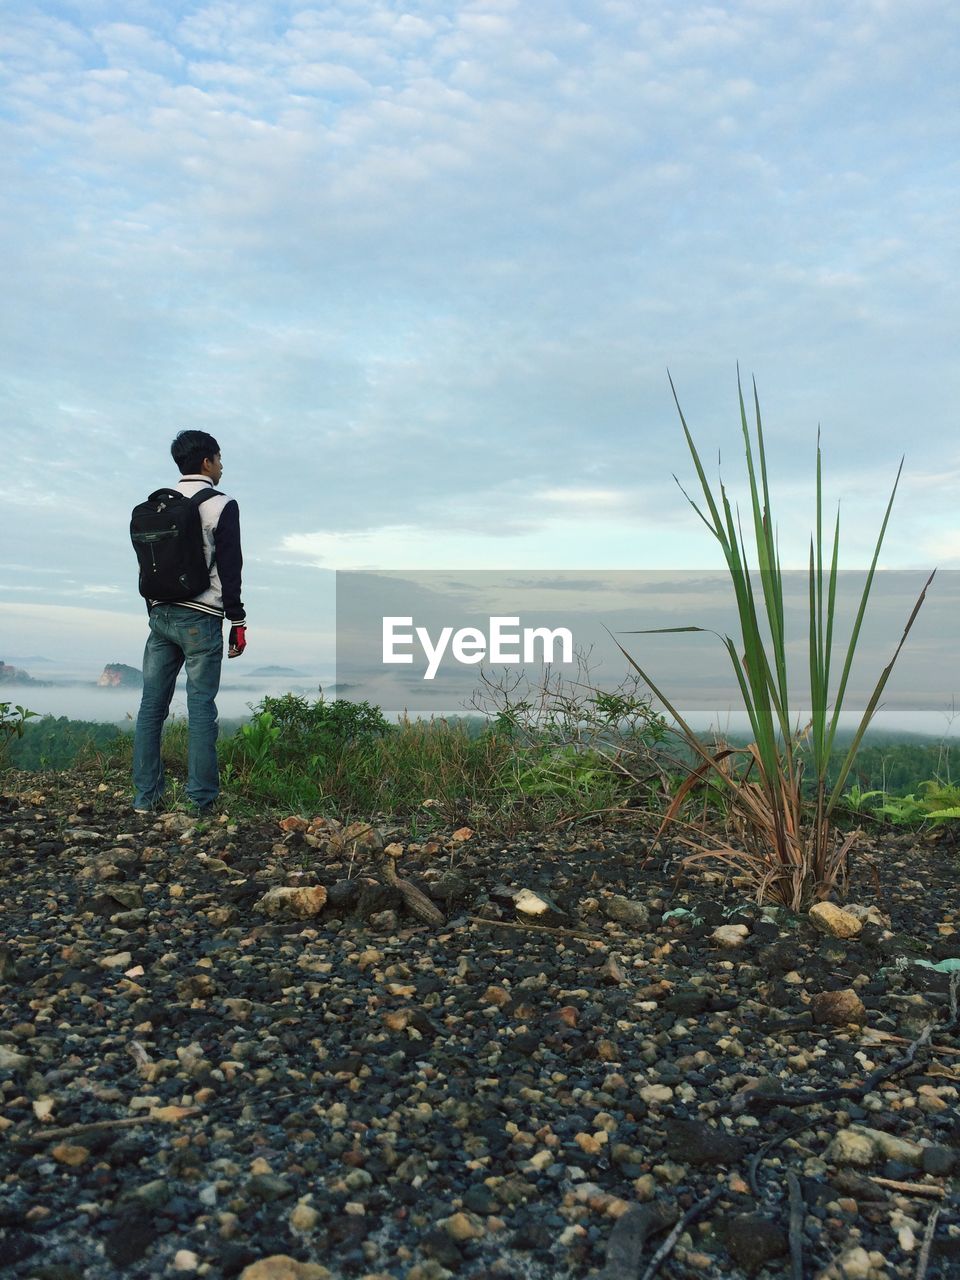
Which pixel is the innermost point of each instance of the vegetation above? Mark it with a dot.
(538, 757)
(56, 742)
(785, 846)
(510, 770)
(346, 758)
(934, 802)
(12, 722)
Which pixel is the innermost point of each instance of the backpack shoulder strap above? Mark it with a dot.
(203, 494)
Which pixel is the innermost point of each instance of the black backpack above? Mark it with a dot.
(168, 538)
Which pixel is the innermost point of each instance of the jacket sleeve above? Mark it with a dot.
(226, 539)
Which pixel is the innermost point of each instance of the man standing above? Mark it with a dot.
(190, 632)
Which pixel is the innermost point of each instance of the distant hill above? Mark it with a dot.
(10, 674)
(116, 675)
(277, 671)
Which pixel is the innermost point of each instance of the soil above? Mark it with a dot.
(583, 1080)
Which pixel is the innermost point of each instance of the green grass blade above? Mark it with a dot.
(855, 634)
(874, 700)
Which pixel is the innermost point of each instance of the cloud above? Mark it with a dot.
(422, 272)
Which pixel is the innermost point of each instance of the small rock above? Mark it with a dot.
(625, 911)
(837, 1008)
(854, 1264)
(197, 986)
(479, 1199)
(497, 996)
(361, 835)
(303, 1218)
(754, 1240)
(281, 1266)
(149, 1195)
(293, 823)
(891, 1147)
(10, 1060)
(906, 1239)
(529, 903)
(939, 1161)
(268, 1187)
(831, 919)
(730, 936)
(43, 1109)
(185, 1260)
(71, 1156)
(460, 1227)
(697, 1143)
(612, 971)
(385, 921)
(868, 915)
(850, 1146)
(288, 903)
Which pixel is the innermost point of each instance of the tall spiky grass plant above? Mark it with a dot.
(784, 846)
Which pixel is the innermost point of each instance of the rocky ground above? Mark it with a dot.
(618, 1072)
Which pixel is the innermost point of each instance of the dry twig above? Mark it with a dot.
(796, 1226)
(80, 1130)
(923, 1189)
(535, 928)
(924, 1259)
(670, 1243)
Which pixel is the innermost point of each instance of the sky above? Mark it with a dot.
(422, 270)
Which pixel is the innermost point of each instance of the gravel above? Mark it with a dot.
(199, 1075)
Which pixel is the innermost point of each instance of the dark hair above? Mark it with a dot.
(190, 448)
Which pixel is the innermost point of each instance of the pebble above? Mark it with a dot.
(890, 1146)
(834, 921)
(939, 1161)
(730, 936)
(837, 1008)
(853, 1147)
(281, 1266)
(625, 911)
(755, 1240)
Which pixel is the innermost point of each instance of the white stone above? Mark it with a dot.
(730, 936)
(852, 1147)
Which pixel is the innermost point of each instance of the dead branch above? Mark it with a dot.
(80, 1130)
(629, 1236)
(796, 1226)
(535, 928)
(670, 1243)
(924, 1259)
(923, 1189)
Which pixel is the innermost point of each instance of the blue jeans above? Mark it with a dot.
(177, 636)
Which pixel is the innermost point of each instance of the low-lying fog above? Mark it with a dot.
(89, 702)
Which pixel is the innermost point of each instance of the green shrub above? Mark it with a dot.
(12, 722)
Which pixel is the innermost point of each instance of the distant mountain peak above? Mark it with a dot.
(117, 675)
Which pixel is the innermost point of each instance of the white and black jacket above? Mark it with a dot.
(220, 521)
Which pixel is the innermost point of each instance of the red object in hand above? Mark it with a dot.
(238, 640)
